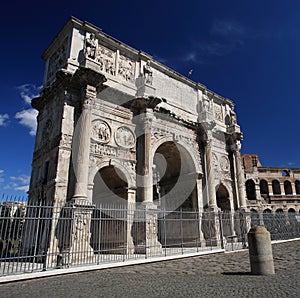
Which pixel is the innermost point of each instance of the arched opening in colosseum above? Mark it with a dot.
(254, 217)
(276, 187)
(297, 186)
(250, 189)
(263, 186)
(268, 219)
(109, 225)
(288, 188)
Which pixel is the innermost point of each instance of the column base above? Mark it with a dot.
(146, 230)
(81, 250)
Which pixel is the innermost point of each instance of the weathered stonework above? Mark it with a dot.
(116, 126)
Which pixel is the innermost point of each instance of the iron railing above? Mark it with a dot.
(41, 237)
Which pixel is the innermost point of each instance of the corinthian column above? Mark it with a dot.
(210, 176)
(81, 146)
(239, 175)
(146, 168)
(143, 111)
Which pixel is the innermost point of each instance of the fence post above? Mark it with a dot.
(221, 228)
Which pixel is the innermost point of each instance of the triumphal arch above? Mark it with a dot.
(117, 127)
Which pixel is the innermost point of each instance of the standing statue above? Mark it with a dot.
(147, 71)
(91, 45)
(206, 103)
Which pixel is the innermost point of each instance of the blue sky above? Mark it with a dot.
(248, 51)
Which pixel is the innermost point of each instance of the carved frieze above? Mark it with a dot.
(218, 112)
(100, 131)
(57, 61)
(224, 163)
(103, 150)
(215, 161)
(66, 140)
(106, 59)
(109, 60)
(110, 151)
(131, 167)
(126, 68)
(124, 137)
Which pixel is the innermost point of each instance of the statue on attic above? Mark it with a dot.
(91, 45)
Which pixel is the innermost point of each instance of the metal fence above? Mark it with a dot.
(39, 237)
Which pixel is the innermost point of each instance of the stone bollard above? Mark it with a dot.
(260, 251)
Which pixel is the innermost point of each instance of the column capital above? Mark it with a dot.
(86, 76)
(143, 104)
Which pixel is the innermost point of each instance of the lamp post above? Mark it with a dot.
(156, 179)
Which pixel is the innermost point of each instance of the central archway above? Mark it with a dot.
(175, 186)
(176, 172)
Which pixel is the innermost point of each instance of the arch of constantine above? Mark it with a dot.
(116, 127)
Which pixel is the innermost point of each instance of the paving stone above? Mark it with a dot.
(218, 275)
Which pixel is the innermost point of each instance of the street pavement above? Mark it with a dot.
(215, 275)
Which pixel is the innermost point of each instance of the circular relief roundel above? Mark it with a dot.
(101, 131)
(124, 137)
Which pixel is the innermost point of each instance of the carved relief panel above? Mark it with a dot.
(126, 68)
(109, 60)
(57, 61)
(101, 132)
(106, 58)
(221, 166)
(218, 112)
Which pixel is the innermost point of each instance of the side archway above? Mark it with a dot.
(109, 231)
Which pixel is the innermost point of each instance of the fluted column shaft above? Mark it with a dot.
(210, 176)
(145, 160)
(240, 177)
(81, 147)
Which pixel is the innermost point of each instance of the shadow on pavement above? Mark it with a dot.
(237, 273)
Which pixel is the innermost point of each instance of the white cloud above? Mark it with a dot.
(216, 48)
(192, 56)
(3, 119)
(28, 119)
(24, 179)
(1, 176)
(227, 28)
(225, 37)
(29, 91)
(18, 183)
(24, 188)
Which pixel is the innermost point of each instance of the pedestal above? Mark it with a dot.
(146, 231)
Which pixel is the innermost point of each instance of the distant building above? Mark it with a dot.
(270, 188)
(12, 214)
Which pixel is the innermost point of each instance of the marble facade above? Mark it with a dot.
(116, 126)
